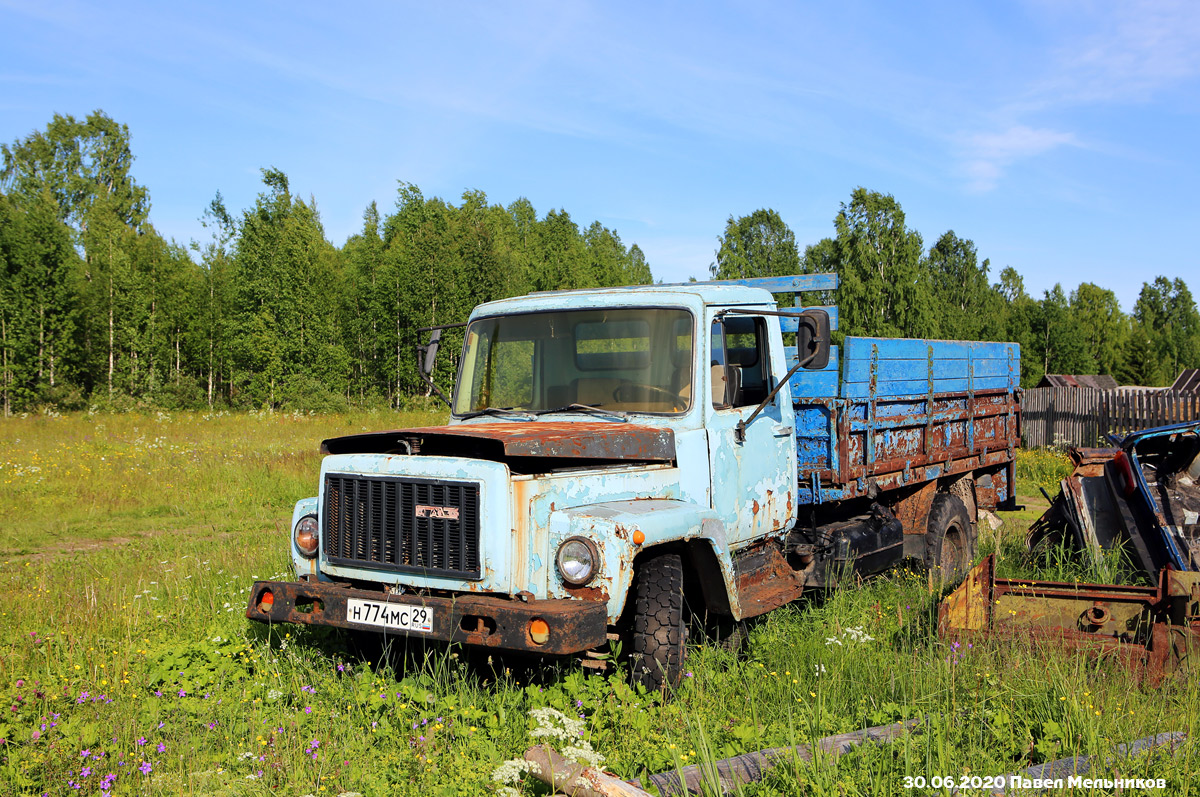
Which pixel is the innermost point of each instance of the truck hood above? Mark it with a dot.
(564, 440)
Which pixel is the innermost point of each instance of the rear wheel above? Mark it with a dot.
(659, 633)
(951, 544)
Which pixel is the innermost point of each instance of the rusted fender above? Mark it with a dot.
(1152, 631)
(621, 530)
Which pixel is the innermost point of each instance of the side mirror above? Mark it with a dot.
(430, 350)
(812, 339)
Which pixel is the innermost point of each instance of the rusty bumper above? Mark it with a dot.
(484, 621)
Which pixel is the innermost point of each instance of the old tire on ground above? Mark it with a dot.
(951, 541)
(659, 635)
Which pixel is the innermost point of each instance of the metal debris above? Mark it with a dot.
(1150, 630)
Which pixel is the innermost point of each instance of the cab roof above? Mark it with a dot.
(687, 294)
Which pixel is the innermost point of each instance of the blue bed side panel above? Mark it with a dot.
(813, 436)
(814, 384)
(906, 372)
(813, 421)
(907, 367)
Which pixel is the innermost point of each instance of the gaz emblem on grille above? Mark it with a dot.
(439, 512)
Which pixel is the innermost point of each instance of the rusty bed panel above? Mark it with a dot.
(1153, 631)
(570, 439)
(847, 445)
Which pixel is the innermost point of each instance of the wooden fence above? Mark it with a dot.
(1081, 417)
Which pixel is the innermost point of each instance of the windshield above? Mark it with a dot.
(627, 360)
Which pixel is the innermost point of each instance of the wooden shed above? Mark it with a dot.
(1088, 381)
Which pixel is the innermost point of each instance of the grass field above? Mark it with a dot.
(129, 543)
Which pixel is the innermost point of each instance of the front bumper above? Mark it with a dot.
(480, 620)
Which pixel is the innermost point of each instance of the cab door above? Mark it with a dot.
(752, 468)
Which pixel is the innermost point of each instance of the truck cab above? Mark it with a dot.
(615, 459)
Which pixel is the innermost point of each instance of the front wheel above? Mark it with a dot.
(951, 544)
(659, 634)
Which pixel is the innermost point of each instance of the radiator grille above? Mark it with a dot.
(375, 521)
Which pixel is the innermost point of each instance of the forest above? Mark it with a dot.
(98, 310)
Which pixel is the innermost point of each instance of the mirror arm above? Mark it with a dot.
(436, 390)
(739, 433)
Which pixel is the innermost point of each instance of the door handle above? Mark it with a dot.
(781, 430)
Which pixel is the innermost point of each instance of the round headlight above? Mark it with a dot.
(578, 560)
(306, 535)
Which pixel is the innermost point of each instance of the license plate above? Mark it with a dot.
(402, 617)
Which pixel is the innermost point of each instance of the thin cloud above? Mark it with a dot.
(1142, 48)
(1114, 54)
(989, 154)
(1117, 53)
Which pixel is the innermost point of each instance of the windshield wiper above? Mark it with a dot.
(529, 416)
(590, 409)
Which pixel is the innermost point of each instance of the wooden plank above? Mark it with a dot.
(919, 388)
(918, 349)
(905, 369)
(576, 780)
(791, 284)
(790, 324)
(728, 774)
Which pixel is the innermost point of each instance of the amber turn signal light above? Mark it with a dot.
(539, 631)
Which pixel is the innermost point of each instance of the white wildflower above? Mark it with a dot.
(856, 634)
(859, 635)
(583, 754)
(568, 730)
(509, 773)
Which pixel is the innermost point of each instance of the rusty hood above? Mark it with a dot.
(559, 439)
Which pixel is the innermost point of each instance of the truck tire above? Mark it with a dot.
(659, 637)
(951, 543)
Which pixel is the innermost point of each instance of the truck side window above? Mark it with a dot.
(739, 366)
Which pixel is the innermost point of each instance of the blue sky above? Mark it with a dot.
(1062, 137)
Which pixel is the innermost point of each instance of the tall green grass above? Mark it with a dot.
(135, 659)
(67, 481)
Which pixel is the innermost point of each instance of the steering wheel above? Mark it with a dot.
(630, 393)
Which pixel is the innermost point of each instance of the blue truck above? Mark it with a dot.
(620, 462)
